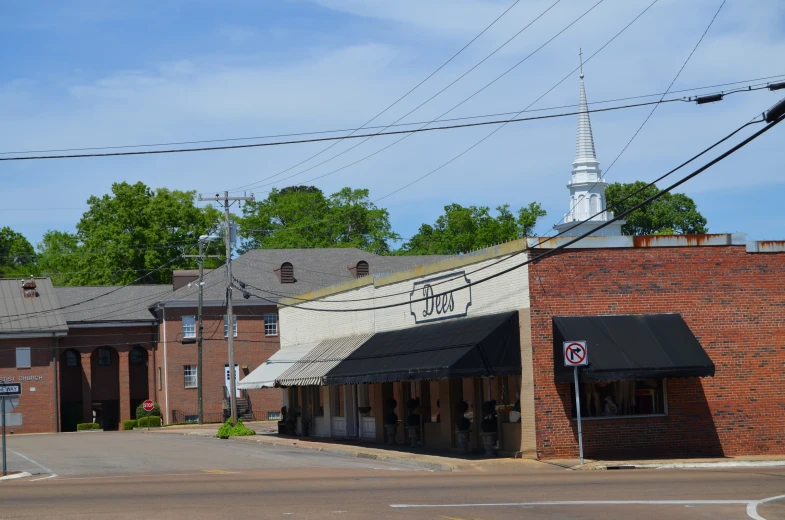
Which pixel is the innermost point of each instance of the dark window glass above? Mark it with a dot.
(104, 357)
(71, 359)
(136, 357)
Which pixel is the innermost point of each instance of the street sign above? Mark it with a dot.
(10, 389)
(575, 354)
(148, 406)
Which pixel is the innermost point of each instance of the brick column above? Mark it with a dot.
(125, 386)
(87, 394)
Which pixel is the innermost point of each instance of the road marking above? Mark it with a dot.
(28, 459)
(752, 505)
(218, 471)
(196, 474)
(42, 478)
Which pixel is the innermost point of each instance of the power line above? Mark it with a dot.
(570, 242)
(319, 132)
(260, 182)
(400, 98)
(651, 113)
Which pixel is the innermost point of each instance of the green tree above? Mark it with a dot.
(671, 214)
(124, 234)
(462, 229)
(17, 256)
(303, 217)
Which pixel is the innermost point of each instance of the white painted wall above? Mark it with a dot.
(504, 293)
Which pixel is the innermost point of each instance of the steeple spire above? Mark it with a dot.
(587, 187)
(584, 149)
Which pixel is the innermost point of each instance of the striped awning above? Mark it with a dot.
(265, 374)
(311, 369)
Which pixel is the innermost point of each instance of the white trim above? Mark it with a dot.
(111, 324)
(166, 375)
(36, 335)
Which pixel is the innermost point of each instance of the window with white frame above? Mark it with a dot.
(234, 326)
(189, 326)
(270, 324)
(189, 375)
(23, 357)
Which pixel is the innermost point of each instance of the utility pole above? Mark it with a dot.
(203, 240)
(227, 200)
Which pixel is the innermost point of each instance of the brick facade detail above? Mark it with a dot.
(733, 301)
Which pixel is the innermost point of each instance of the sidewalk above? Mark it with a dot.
(266, 433)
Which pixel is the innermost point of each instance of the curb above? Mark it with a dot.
(21, 474)
(687, 465)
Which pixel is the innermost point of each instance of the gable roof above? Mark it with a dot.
(110, 304)
(20, 315)
(313, 269)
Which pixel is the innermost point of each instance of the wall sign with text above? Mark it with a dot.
(441, 297)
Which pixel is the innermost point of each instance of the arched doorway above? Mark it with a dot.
(72, 379)
(137, 377)
(105, 391)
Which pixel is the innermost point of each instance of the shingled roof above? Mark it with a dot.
(313, 269)
(38, 312)
(110, 304)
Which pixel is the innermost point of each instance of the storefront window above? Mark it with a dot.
(508, 404)
(622, 398)
(317, 401)
(338, 396)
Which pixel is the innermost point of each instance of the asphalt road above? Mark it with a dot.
(128, 475)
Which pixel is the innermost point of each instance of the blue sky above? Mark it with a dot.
(92, 73)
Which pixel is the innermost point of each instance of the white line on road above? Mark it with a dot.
(752, 505)
(42, 478)
(28, 459)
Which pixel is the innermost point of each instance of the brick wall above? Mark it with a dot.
(733, 301)
(251, 348)
(37, 402)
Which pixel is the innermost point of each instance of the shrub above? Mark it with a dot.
(154, 421)
(241, 430)
(225, 430)
(463, 424)
(391, 404)
(141, 413)
(392, 418)
(462, 408)
(129, 424)
(413, 420)
(489, 426)
(87, 426)
(411, 404)
(489, 407)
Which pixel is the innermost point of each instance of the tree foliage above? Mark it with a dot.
(303, 217)
(462, 229)
(122, 235)
(17, 256)
(671, 214)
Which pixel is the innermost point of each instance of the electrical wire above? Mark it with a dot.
(651, 113)
(402, 97)
(318, 132)
(550, 252)
(260, 183)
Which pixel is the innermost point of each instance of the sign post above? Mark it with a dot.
(148, 406)
(577, 355)
(7, 390)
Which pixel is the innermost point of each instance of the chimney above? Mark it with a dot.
(28, 288)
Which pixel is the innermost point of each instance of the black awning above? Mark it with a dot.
(649, 346)
(465, 347)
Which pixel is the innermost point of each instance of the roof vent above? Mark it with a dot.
(359, 269)
(28, 288)
(285, 273)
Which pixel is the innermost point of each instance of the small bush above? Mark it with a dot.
(154, 422)
(489, 426)
(87, 426)
(225, 430)
(241, 430)
(391, 404)
(462, 408)
(413, 420)
(463, 424)
(391, 418)
(129, 424)
(141, 413)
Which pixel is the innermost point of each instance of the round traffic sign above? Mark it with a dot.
(148, 406)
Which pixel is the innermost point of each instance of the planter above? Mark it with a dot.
(391, 430)
(414, 432)
(463, 440)
(306, 428)
(489, 443)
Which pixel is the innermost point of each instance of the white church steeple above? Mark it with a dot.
(587, 188)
